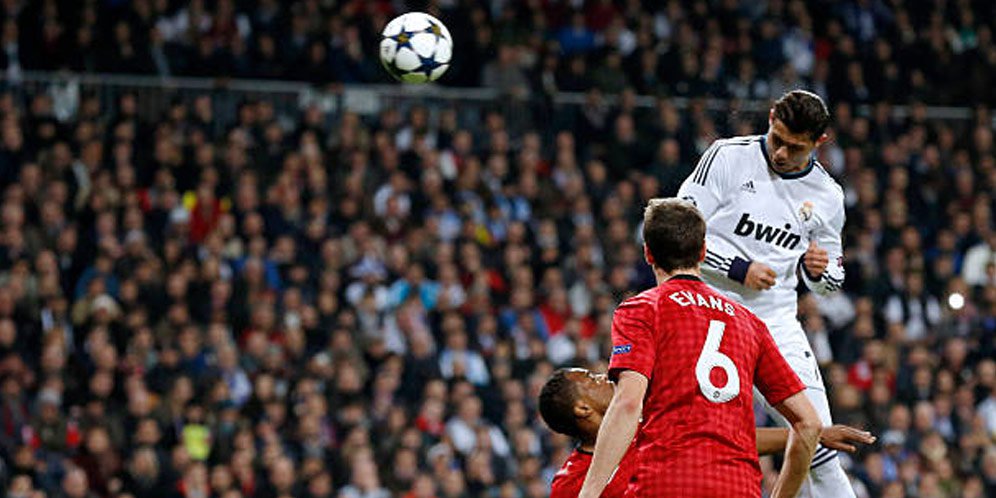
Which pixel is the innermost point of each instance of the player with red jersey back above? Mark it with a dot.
(685, 358)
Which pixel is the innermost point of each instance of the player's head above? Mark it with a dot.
(574, 401)
(673, 235)
(797, 124)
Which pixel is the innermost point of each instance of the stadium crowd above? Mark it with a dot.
(367, 306)
(855, 50)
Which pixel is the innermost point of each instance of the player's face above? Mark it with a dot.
(789, 152)
(595, 389)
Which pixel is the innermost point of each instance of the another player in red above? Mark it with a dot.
(573, 402)
(684, 358)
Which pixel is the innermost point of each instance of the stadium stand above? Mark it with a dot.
(203, 296)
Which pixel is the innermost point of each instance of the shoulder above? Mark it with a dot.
(727, 147)
(833, 189)
(643, 299)
(643, 304)
(721, 153)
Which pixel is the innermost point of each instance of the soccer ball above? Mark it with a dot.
(416, 48)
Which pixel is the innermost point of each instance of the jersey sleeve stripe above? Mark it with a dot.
(715, 264)
(824, 459)
(702, 170)
(821, 452)
(716, 254)
(718, 257)
(705, 164)
(708, 166)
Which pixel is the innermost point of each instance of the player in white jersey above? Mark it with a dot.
(774, 216)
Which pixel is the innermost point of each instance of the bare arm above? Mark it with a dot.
(838, 437)
(771, 440)
(615, 436)
(802, 439)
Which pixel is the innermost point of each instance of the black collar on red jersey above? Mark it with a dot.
(583, 452)
(686, 276)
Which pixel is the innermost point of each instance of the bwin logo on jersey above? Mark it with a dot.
(781, 237)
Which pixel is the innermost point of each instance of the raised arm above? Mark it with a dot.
(616, 433)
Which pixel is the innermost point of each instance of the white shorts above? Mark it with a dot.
(794, 345)
(827, 479)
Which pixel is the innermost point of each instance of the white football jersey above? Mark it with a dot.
(754, 213)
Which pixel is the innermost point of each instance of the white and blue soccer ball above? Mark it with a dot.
(416, 48)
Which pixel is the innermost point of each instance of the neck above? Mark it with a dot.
(587, 445)
(662, 275)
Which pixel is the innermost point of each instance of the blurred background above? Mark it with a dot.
(236, 260)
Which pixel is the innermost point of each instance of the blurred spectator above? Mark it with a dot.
(213, 297)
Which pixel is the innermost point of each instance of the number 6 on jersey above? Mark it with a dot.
(710, 358)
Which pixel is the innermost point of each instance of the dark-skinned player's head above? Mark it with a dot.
(797, 124)
(673, 234)
(574, 401)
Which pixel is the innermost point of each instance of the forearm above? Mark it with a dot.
(828, 282)
(614, 438)
(731, 267)
(802, 441)
(830, 278)
(771, 440)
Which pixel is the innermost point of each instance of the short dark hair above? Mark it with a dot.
(803, 112)
(674, 232)
(556, 404)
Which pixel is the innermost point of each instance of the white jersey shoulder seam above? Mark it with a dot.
(701, 173)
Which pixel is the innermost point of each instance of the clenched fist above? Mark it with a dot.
(759, 276)
(815, 261)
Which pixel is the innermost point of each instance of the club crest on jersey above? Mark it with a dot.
(806, 211)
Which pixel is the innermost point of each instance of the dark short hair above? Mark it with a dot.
(803, 112)
(556, 404)
(674, 232)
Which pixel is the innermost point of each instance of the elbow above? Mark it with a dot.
(808, 428)
(629, 405)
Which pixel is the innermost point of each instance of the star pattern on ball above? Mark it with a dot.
(434, 29)
(404, 39)
(429, 64)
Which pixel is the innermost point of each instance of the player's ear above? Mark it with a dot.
(647, 256)
(824, 138)
(771, 115)
(582, 409)
(702, 253)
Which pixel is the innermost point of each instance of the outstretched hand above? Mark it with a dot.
(844, 438)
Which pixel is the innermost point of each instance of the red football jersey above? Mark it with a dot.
(568, 480)
(702, 353)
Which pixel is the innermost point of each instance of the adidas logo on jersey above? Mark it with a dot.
(781, 237)
(748, 187)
